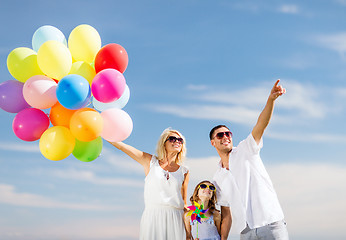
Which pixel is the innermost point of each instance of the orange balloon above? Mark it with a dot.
(61, 116)
(86, 124)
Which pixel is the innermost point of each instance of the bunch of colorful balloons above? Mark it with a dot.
(64, 78)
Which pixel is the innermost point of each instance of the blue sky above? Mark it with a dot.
(192, 65)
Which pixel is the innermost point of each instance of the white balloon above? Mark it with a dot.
(46, 33)
(117, 125)
(119, 103)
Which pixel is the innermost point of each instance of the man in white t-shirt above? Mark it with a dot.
(245, 192)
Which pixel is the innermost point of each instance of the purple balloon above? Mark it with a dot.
(11, 96)
(29, 124)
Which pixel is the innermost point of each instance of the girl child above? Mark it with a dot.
(209, 228)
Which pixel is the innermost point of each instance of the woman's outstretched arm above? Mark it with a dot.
(141, 157)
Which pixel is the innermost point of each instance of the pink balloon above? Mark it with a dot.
(108, 85)
(11, 96)
(117, 125)
(30, 123)
(40, 92)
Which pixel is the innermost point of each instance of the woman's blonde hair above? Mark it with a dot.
(161, 150)
(212, 201)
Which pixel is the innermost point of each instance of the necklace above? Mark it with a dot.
(166, 174)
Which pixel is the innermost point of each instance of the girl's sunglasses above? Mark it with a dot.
(221, 134)
(173, 139)
(204, 186)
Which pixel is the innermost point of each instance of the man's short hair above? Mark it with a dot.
(214, 129)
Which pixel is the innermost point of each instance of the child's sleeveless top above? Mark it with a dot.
(206, 229)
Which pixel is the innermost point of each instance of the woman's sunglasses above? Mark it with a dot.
(221, 134)
(204, 186)
(173, 139)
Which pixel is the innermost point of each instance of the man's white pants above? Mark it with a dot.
(273, 231)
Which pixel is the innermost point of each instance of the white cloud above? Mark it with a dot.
(309, 193)
(194, 87)
(119, 228)
(289, 8)
(201, 169)
(303, 105)
(87, 228)
(236, 114)
(342, 2)
(253, 97)
(302, 98)
(18, 147)
(122, 162)
(244, 6)
(341, 92)
(335, 42)
(296, 60)
(112, 161)
(308, 138)
(91, 177)
(303, 101)
(9, 195)
(263, 7)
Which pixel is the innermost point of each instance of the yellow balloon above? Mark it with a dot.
(57, 143)
(54, 59)
(22, 64)
(83, 69)
(84, 42)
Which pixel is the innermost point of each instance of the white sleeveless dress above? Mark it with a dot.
(162, 218)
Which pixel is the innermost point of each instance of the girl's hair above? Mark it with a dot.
(161, 150)
(212, 201)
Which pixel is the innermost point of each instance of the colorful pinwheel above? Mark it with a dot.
(197, 212)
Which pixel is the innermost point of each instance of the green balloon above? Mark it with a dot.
(88, 151)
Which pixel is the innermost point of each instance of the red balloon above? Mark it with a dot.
(111, 56)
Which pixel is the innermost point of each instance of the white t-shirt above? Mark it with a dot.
(247, 189)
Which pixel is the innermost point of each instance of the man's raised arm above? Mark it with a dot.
(267, 112)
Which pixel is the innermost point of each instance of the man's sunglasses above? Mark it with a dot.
(204, 186)
(173, 139)
(221, 134)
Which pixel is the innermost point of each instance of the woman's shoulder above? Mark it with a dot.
(184, 169)
(153, 160)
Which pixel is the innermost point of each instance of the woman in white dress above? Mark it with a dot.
(165, 187)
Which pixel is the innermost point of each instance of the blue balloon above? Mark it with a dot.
(46, 33)
(119, 103)
(73, 92)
